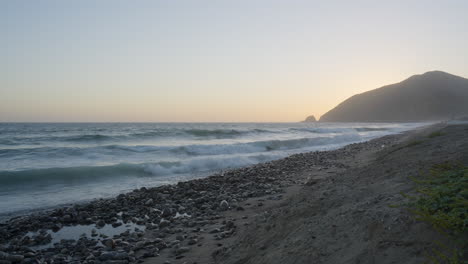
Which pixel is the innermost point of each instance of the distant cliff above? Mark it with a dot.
(431, 96)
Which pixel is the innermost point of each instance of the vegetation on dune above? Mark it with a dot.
(435, 134)
(414, 143)
(442, 201)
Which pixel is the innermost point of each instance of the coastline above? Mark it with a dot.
(92, 161)
(43, 185)
(198, 221)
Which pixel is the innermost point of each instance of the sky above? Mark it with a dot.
(215, 61)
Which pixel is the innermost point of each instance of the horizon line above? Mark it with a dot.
(142, 122)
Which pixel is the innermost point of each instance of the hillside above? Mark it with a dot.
(351, 210)
(431, 96)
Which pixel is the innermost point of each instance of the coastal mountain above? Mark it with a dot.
(430, 96)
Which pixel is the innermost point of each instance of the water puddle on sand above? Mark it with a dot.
(88, 231)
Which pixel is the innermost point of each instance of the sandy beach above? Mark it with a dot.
(317, 207)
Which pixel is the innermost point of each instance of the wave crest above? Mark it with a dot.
(96, 173)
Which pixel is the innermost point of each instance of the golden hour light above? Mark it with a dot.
(232, 132)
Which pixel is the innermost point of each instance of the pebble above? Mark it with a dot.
(100, 223)
(182, 250)
(164, 223)
(224, 205)
(110, 243)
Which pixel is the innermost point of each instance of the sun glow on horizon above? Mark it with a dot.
(243, 61)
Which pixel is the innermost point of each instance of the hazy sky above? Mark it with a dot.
(215, 60)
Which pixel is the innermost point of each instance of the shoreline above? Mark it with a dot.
(187, 221)
(196, 175)
(61, 169)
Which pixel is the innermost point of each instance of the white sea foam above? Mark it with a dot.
(48, 164)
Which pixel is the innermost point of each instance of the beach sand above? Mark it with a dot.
(318, 207)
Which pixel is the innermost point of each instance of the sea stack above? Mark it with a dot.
(309, 119)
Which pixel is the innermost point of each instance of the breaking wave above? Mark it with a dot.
(95, 173)
(44, 165)
(102, 138)
(190, 150)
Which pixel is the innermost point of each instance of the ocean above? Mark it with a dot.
(48, 164)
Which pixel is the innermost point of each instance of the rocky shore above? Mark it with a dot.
(198, 221)
(167, 219)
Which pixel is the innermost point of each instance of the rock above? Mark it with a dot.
(164, 223)
(56, 227)
(67, 218)
(230, 224)
(122, 255)
(224, 205)
(174, 243)
(110, 243)
(116, 224)
(3, 255)
(139, 245)
(216, 230)
(309, 119)
(161, 246)
(181, 209)
(166, 212)
(147, 254)
(15, 258)
(100, 223)
(181, 250)
(116, 262)
(29, 255)
(107, 255)
(149, 202)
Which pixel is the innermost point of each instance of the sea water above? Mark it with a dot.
(44, 165)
